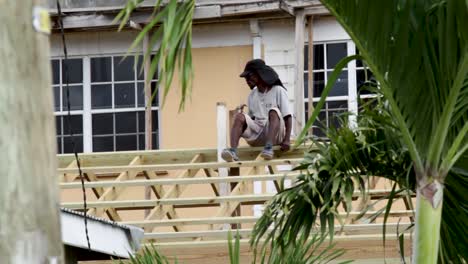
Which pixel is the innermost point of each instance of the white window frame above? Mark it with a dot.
(351, 98)
(87, 111)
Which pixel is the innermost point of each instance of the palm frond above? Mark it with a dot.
(171, 28)
(418, 52)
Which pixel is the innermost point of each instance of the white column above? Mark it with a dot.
(256, 38)
(257, 54)
(352, 88)
(299, 72)
(87, 118)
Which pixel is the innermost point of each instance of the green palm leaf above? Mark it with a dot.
(171, 27)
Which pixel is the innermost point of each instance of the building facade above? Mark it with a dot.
(106, 91)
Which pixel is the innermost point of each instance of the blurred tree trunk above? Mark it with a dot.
(29, 215)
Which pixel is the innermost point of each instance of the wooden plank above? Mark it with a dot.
(169, 201)
(159, 211)
(112, 193)
(159, 193)
(299, 70)
(310, 66)
(241, 219)
(213, 186)
(354, 229)
(234, 199)
(69, 177)
(181, 181)
(184, 166)
(172, 156)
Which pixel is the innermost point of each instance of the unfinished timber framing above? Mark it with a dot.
(186, 207)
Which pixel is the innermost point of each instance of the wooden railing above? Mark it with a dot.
(191, 201)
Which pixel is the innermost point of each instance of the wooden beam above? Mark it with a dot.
(180, 181)
(242, 219)
(355, 229)
(112, 193)
(159, 192)
(213, 186)
(310, 66)
(299, 72)
(159, 211)
(184, 166)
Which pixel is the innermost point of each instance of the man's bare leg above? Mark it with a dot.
(238, 127)
(273, 128)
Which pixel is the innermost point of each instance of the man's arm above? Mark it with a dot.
(285, 145)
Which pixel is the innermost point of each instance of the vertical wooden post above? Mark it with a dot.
(29, 214)
(310, 26)
(148, 112)
(299, 80)
(222, 133)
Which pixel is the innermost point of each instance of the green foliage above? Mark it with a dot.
(418, 52)
(342, 165)
(171, 29)
(312, 249)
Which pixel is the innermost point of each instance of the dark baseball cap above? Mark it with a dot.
(267, 73)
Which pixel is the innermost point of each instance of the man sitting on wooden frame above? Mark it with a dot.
(269, 120)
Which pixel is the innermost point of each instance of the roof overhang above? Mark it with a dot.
(91, 14)
(105, 236)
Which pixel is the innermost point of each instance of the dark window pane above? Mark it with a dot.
(55, 71)
(337, 105)
(124, 69)
(76, 98)
(101, 96)
(306, 57)
(319, 83)
(103, 124)
(341, 85)
(125, 122)
(319, 57)
(124, 95)
(59, 145)
(141, 121)
(155, 141)
(75, 71)
(101, 69)
(141, 94)
(58, 125)
(155, 120)
(306, 85)
(76, 124)
(68, 145)
(320, 125)
(334, 118)
(140, 69)
(126, 143)
(361, 81)
(141, 142)
(155, 93)
(103, 144)
(56, 98)
(155, 75)
(335, 52)
(358, 62)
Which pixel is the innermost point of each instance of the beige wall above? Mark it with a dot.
(216, 79)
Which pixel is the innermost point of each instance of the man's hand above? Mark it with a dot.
(285, 145)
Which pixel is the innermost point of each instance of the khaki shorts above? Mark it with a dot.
(256, 132)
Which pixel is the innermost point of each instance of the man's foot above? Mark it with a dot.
(229, 155)
(267, 153)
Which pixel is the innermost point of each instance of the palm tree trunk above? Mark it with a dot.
(29, 215)
(428, 218)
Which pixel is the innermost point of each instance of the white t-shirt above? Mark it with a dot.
(260, 103)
